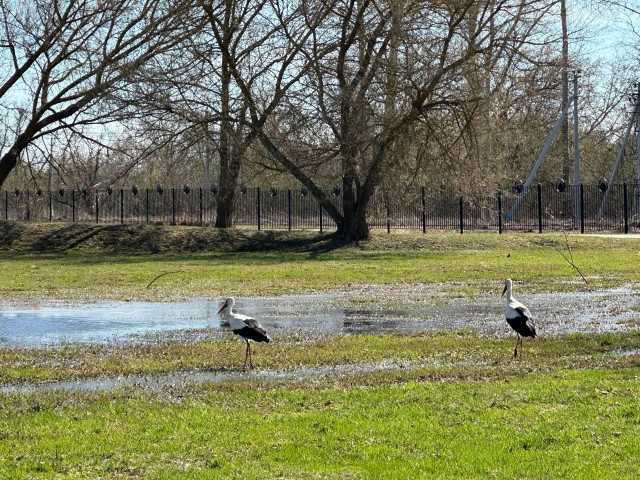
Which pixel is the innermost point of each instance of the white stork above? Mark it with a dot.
(246, 327)
(518, 316)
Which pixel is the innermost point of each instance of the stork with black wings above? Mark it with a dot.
(518, 317)
(245, 327)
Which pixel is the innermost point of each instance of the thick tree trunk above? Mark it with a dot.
(7, 164)
(227, 191)
(356, 229)
(228, 171)
(349, 204)
(10, 159)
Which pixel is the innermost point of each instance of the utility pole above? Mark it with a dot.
(564, 132)
(576, 151)
(636, 193)
(576, 156)
(634, 97)
(541, 157)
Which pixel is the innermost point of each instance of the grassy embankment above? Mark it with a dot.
(461, 408)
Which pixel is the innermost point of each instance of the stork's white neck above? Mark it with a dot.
(508, 294)
(227, 312)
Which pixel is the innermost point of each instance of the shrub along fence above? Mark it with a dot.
(611, 208)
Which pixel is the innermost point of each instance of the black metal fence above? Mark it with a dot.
(540, 208)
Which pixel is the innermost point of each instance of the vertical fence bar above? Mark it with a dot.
(289, 207)
(539, 208)
(121, 206)
(6, 205)
(499, 211)
(258, 207)
(28, 207)
(581, 208)
(625, 207)
(201, 223)
(424, 211)
(320, 204)
(97, 211)
(146, 204)
(173, 206)
(50, 207)
(388, 218)
(461, 217)
(73, 205)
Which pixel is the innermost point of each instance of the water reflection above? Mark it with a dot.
(310, 315)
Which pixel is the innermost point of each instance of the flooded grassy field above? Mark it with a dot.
(367, 309)
(151, 329)
(390, 359)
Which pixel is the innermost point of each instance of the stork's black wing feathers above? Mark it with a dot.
(253, 331)
(523, 326)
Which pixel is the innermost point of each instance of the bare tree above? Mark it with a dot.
(64, 61)
(358, 128)
(259, 44)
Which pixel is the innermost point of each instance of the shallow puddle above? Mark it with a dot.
(362, 310)
(307, 316)
(178, 380)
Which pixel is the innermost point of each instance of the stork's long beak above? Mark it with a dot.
(503, 291)
(224, 305)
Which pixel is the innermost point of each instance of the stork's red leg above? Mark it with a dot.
(246, 355)
(250, 359)
(515, 351)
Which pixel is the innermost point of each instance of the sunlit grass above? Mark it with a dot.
(463, 351)
(478, 261)
(563, 424)
(453, 405)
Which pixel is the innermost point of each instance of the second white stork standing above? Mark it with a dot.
(518, 316)
(246, 327)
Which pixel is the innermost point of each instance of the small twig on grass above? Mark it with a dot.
(571, 262)
(161, 275)
(569, 259)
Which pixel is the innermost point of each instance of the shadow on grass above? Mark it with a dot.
(155, 239)
(10, 233)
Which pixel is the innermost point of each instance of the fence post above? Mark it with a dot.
(424, 211)
(97, 211)
(6, 205)
(320, 204)
(625, 205)
(173, 206)
(28, 206)
(581, 208)
(388, 218)
(539, 208)
(73, 205)
(289, 207)
(121, 206)
(146, 204)
(499, 211)
(461, 217)
(201, 224)
(50, 207)
(258, 206)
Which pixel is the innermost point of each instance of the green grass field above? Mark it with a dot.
(295, 263)
(457, 405)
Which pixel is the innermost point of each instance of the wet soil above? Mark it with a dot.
(366, 309)
(156, 383)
